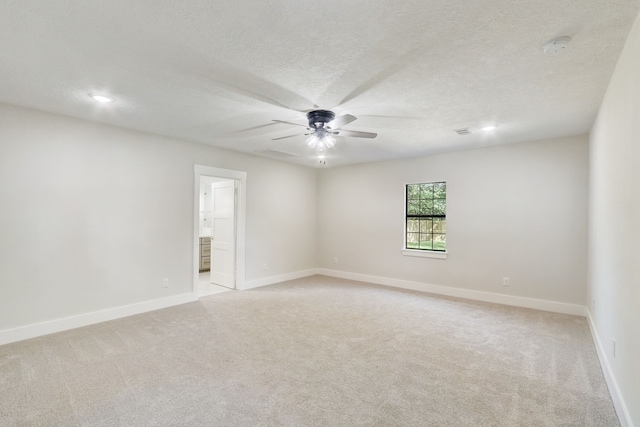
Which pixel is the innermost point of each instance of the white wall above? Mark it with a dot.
(514, 210)
(614, 227)
(93, 217)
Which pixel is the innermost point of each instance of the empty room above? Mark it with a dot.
(296, 213)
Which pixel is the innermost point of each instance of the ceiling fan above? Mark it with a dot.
(324, 126)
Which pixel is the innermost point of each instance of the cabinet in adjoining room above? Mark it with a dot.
(205, 253)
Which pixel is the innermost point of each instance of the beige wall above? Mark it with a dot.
(515, 210)
(94, 217)
(614, 228)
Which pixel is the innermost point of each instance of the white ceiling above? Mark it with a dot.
(218, 72)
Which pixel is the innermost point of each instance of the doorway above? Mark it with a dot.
(219, 231)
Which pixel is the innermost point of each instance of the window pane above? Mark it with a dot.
(413, 226)
(413, 191)
(440, 242)
(426, 207)
(440, 190)
(439, 225)
(426, 226)
(426, 191)
(425, 241)
(413, 207)
(439, 207)
(413, 240)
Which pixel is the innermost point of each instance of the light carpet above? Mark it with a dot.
(317, 351)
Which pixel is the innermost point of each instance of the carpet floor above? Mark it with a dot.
(316, 351)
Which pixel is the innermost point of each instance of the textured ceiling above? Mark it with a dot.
(218, 72)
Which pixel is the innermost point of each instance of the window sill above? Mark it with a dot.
(425, 254)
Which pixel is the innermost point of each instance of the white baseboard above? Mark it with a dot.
(52, 326)
(614, 390)
(58, 325)
(256, 283)
(538, 304)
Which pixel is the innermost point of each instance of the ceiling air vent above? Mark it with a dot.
(463, 131)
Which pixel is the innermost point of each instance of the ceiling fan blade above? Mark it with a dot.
(248, 130)
(345, 119)
(285, 137)
(289, 123)
(357, 134)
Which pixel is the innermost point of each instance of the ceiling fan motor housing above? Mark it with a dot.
(320, 116)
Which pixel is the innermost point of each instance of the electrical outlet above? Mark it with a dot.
(335, 260)
(505, 281)
(165, 282)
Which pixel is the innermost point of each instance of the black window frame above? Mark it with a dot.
(411, 215)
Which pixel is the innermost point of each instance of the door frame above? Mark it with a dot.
(240, 177)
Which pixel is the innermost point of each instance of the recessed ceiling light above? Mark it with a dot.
(101, 98)
(488, 128)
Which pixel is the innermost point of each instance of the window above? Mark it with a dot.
(426, 216)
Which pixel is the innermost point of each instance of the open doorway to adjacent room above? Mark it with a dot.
(219, 230)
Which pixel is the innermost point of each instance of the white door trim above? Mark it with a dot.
(241, 179)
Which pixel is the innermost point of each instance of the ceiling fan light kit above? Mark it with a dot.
(321, 135)
(321, 143)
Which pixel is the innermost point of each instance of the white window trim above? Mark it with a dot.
(425, 253)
